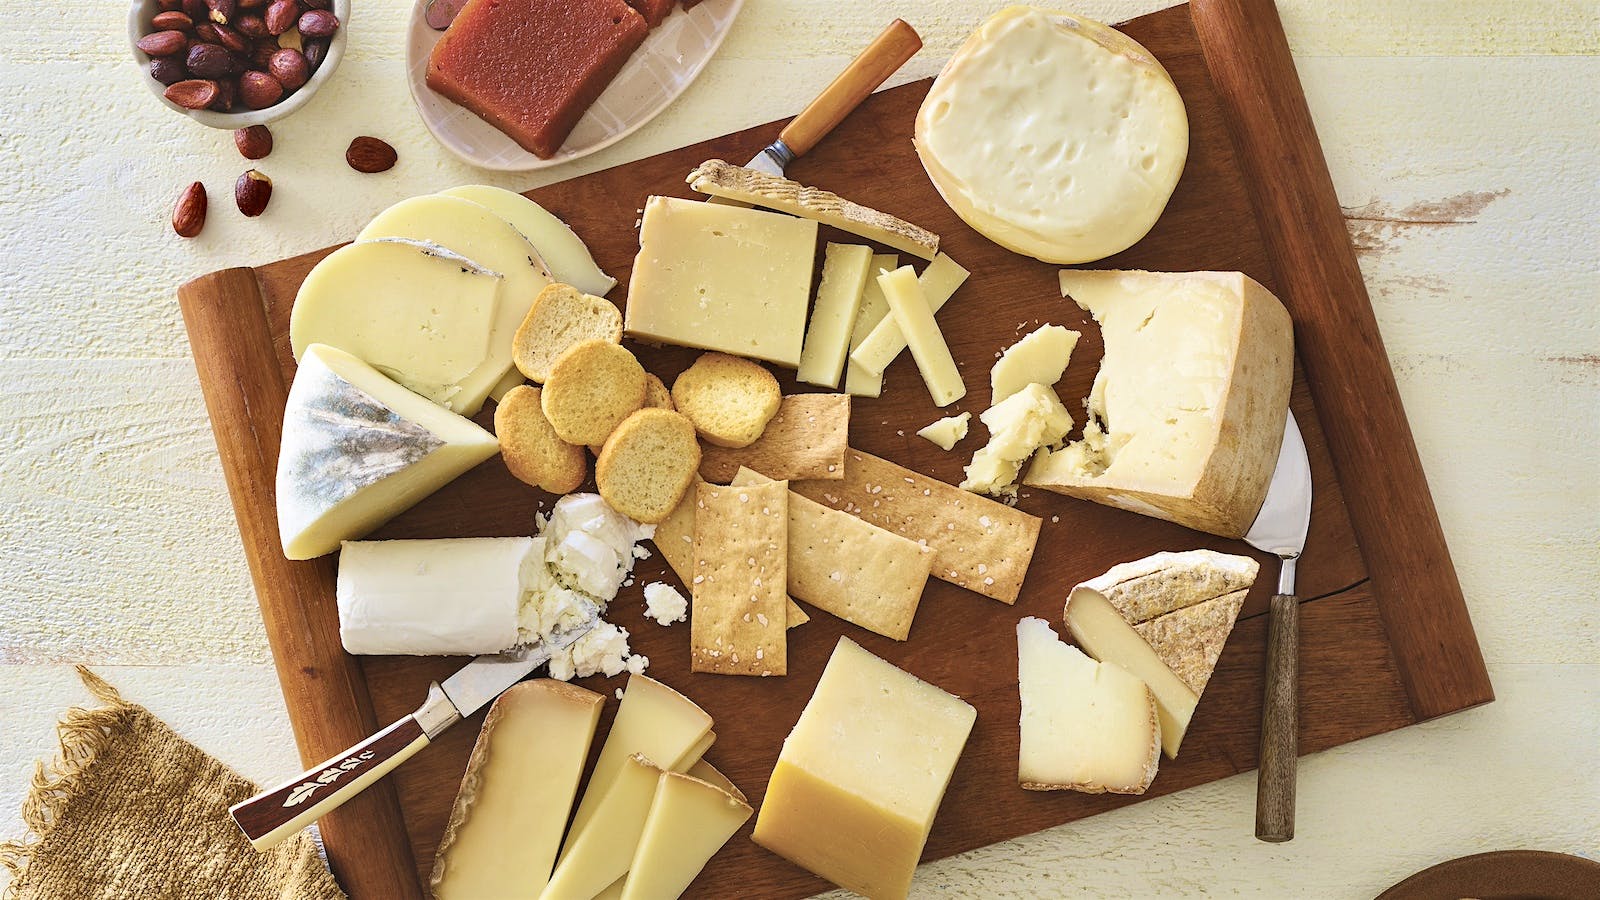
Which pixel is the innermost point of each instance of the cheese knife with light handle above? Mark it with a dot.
(273, 815)
(1280, 529)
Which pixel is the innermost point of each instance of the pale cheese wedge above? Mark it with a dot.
(505, 826)
(562, 250)
(1039, 358)
(1097, 628)
(946, 432)
(1086, 726)
(602, 852)
(689, 821)
(708, 773)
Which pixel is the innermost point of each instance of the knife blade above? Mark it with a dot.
(1280, 529)
(274, 814)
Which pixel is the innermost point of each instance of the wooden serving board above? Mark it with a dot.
(1386, 639)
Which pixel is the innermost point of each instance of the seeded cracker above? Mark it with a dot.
(806, 439)
(741, 550)
(674, 537)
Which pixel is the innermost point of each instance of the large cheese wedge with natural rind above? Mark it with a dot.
(478, 234)
(562, 250)
(505, 827)
(1162, 582)
(1190, 640)
(417, 312)
(862, 774)
(1187, 410)
(689, 821)
(1054, 135)
(359, 449)
(1086, 726)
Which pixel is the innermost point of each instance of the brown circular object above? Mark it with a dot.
(318, 23)
(254, 142)
(252, 192)
(233, 40)
(648, 464)
(193, 93)
(163, 43)
(189, 215)
(1504, 873)
(171, 19)
(592, 387)
(370, 155)
(212, 61)
(289, 66)
(282, 15)
(258, 90)
(316, 51)
(167, 70)
(251, 25)
(530, 447)
(729, 399)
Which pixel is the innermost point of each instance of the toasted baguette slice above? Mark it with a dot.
(729, 400)
(592, 388)
(562, 316)
(647, 464)
(530, 446)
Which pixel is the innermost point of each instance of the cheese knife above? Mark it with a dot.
(273, 815)
(1280, 529)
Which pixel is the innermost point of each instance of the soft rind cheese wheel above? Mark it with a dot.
(1053, 135)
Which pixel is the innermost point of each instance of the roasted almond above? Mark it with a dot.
(168, 70)
(194, 93)
(251, 25)
(171, 19)
(290, 68)
(315, 52)
(251, 193)
(281, 16)
(233, 40)
(212, 61)
(370, 155)
(227, 95)
(318, 23)
(189, 216)
(223, 11)
(163, 43)
(254, 142)
(258, 90)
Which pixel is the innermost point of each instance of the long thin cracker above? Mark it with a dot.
(850, 568)
(675, 539)
(978, 544)
(741, 553)
(806, 439)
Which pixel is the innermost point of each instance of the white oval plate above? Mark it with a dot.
(668, 61)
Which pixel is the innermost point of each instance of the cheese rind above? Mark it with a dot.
(1190, 640)
(844, 277)
(946, 432)
(444, 597)
(1090, 118)
(1162, 582)
(419, 313)
(601, 853)
(722, 278)
(565, 253)
(860, 381)
(689, 821)
(358, 449)
(862, 774)
(1039, 358)
(928, 347)
(1086, 726)
(1099, 630)
(1187, 410)
(505, 826)
(884, 343)
(1019, 426)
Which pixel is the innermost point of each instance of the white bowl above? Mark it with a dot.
(139, 16)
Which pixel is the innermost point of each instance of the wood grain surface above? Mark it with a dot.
(1354, 685)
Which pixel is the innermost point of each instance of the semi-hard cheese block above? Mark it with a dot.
(1187, 410)
(1054, 135)
(1086, 726)
(730, 182)
(858, 380)
(565, 253)
(1039, 358)
(602, 852)
(884, 343)
(359, 449)
(506, 824)
(1019, 426)
(910, 309)
(844, 277)
(477, 233)
(862, 774)
(722, 278)
(689, 821)
(417, 312)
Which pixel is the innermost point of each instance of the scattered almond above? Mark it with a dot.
(189, 216)
(251, 192)
(370, 155)
(254, 142)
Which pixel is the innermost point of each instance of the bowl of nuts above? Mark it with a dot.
(235, 63)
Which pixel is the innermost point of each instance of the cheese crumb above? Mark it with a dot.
(664, 603)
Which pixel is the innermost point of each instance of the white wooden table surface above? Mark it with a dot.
(1463, 139)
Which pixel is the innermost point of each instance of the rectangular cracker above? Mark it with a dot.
(850, 568)
(741, 561)
(978, 544)
(675, 539)
(806, 439)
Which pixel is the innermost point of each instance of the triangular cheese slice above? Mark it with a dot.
(1190, 640)
(359, 449)
(1160, 583)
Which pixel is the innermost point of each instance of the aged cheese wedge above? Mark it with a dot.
(862, 774)
(602, 852)
(689, 821)
(478, 234)
(1039, 358)
(910, 310)
(1162, 582)
(708, 773)
(721, 179)
(722, 278)
(1190, 640)
(859, 381)
(946, 432)
(505, 827)
(1187, 410)
(884, 343)
(359, 449)
(1097, 628)
(417, 312)
(1086, 726)
(562, 250)
(1018, 427)
(1053, 135)
(844, 277)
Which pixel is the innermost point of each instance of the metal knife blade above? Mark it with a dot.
(1280, 527)
(487, 677)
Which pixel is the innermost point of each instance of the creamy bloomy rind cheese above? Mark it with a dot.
(359, 449)
(1039, 358)
(689, 821)
(1086, 726)
(478, 234)
(505, 826)
(862, 774)
(1019, 426)
(722, 278)
(565, 253)
(833, 316)
(1187, 410)
(419, 313)
(1053, 135)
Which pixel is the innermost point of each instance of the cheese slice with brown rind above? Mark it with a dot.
(1163, 582)
(1190, 640)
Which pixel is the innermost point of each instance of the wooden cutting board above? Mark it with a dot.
(1386, 639)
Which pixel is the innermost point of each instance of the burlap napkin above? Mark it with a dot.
(132, 810)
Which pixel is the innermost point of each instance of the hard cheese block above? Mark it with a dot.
(506, 824)
(417, 312)
(565, 253)
(844, 277)
(441, 597)
(1187, 410)
(359, 449)
(861, 776)
(722, 278)
(689, 821)
(1086, 726)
